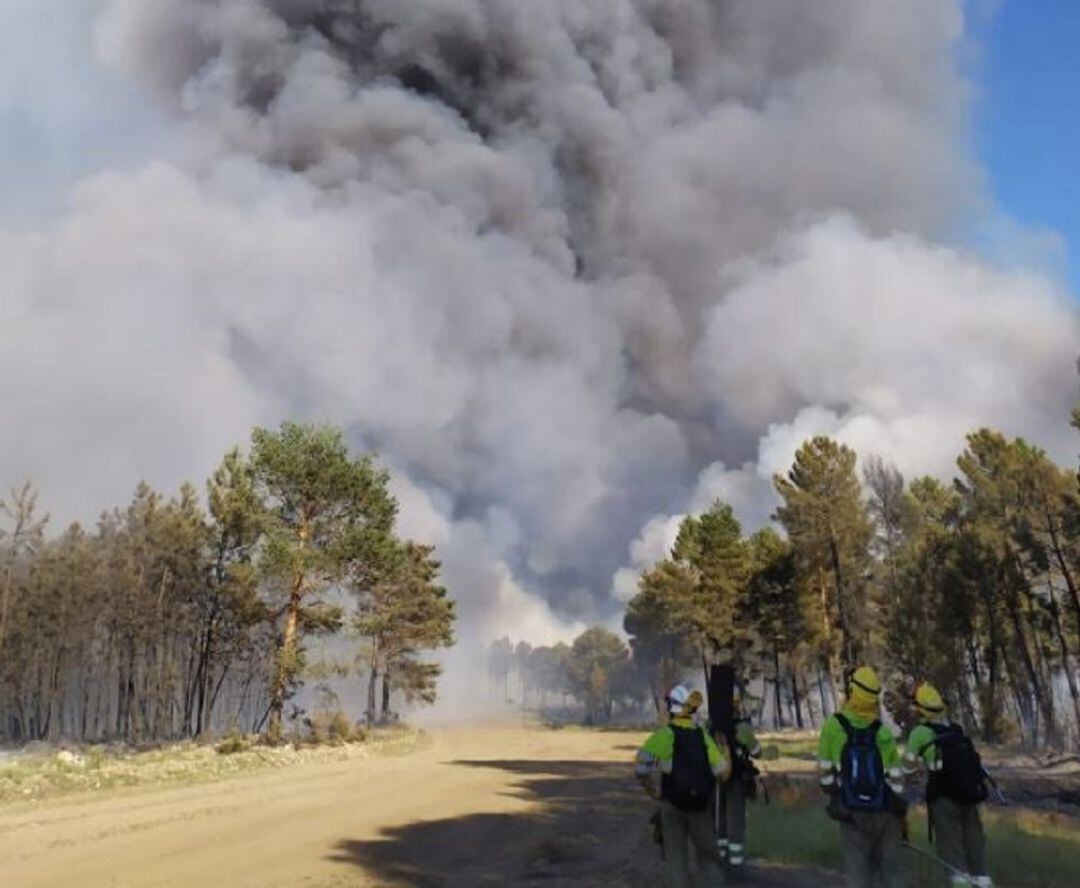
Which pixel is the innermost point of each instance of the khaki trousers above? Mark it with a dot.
(959, 836)
(873, 850)
(682, 829)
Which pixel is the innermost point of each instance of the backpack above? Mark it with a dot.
(689, 786)
(862, 771)
(961, 777)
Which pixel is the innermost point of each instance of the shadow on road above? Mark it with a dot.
(588, 827)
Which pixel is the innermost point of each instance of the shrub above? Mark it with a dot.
(340, 728)
(233, 743)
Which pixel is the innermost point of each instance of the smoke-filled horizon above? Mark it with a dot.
(571, 269)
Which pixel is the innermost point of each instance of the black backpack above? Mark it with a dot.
(961, 778)
(862, 771)
(690, 785)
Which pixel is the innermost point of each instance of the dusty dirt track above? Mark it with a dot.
(480, 807)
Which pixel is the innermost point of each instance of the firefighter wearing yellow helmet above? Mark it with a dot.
(860, 771)
(955, 785)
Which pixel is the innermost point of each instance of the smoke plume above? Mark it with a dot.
(572, 268)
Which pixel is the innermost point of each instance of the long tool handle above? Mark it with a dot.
(935, 859)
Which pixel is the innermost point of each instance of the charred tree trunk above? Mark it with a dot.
(796, 698)
(385, 712)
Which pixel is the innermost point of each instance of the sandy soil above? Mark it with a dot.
(480, 807)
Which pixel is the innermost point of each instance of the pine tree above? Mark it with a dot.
(662, 649)
(324, 509)
(597, 659)
(827, 523)
(777, 610)
(402, 613)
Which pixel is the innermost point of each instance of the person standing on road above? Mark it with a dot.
(739, 788)
(955, 786)
(688, 763)
(861, 773)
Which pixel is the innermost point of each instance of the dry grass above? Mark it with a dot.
(96, 769)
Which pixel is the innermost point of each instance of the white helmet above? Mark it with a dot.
(676, 699)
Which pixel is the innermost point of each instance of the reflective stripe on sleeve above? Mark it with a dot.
(644, 763)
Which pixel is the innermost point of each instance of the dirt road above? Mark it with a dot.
(479, 807)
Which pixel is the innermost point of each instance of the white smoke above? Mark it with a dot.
(572, 268)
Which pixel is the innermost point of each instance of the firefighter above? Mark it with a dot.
(861, 773)
(956, 784)
(688, 763)
(739, 788)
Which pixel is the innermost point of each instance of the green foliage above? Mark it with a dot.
(232, 743)
(709, 601)
(169, 621)
(662, 650)
(971, 586)
(402, 612)
(597, 669)
(327, 516)
(830, 531)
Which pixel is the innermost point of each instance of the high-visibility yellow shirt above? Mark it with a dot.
(921, 735)
(659, 749)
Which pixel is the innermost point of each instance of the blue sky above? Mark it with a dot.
(1028, 117)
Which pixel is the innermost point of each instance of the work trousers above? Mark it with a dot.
(873, 849)
(731, 819)
(682, 829)
(959, 836)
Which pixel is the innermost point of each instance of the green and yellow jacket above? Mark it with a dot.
(656, 753)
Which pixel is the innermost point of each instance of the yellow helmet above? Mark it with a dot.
(928, 700)
(866, 679)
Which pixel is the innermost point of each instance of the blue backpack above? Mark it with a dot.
(862, 772)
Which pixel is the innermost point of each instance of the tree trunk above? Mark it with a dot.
(796, 698)
(373, 683)
(849, 645)
(283, 667)
(992, 704)
(827, 640)
(776, 694)
(1066, 658)
(1043, 702)
(385, 716)
(1063, 566)
(821, 692)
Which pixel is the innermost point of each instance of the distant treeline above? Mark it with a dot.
(170, 619)
(595, 672)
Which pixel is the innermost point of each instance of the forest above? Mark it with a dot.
(173, 619)
(970, 584)
(182, 616)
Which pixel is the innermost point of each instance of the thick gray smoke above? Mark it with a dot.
(572, 268)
